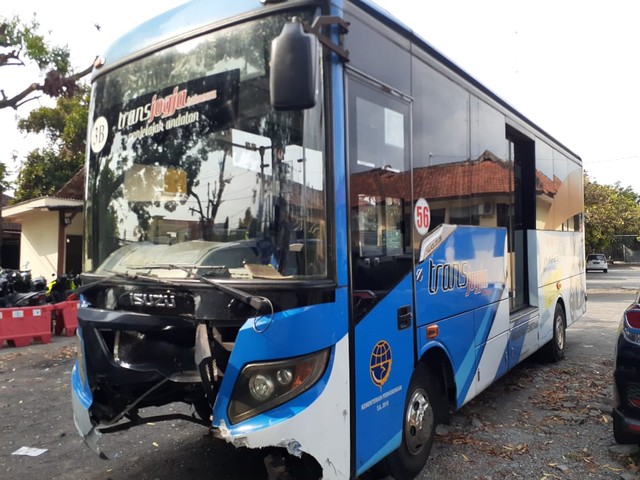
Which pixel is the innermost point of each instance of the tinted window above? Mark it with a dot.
(441, 147)
(380, 193)
(559, 190)
(193, 161)
(364, 39)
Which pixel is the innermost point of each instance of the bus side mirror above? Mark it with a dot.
(293, 68)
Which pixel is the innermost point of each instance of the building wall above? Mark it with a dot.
(39, 243)
(76, 225)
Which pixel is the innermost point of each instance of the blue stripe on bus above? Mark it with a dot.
(79, 386)
(383, 452)
(379, 406)
(340, 171)
(460, 287)
(466, 313)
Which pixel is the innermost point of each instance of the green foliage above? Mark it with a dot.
(46, 170)
(65, 125)
(609, 210)
(21, 44)
(43, 173)
(18, 38)
(5, 184)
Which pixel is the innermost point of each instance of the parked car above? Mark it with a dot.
(626, 375)
(597, 261)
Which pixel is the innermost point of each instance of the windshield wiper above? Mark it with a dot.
(261, 304)
(212, 270)
(125, 276)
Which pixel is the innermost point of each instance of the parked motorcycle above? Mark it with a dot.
(62, 287)
(18, 289)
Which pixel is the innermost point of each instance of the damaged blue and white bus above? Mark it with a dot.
(316, 230)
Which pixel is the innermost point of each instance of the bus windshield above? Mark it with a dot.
(192, 171)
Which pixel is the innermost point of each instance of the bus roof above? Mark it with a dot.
(395, 24)
(200, 15)
(171, 25)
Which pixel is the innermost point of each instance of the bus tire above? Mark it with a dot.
(554, 350)
(418, 426)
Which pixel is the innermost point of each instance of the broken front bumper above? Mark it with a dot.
(81, 400)
(129, 353)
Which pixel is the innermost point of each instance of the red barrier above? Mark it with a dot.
(66, 314)
(21, 326)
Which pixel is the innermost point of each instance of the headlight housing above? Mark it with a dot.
(263, 386)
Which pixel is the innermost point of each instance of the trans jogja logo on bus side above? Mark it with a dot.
(448, 276)
(456, 276)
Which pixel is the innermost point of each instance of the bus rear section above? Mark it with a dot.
(466, 239)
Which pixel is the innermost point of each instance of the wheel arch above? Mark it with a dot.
(436, 360)
(560, 303)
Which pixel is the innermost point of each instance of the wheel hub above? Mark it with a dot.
(559, 327)
(418, 422)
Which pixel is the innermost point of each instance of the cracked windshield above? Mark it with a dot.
(192, 172)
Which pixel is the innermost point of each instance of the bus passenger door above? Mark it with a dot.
(379, 136)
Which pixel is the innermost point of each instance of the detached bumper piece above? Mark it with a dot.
(85, 427)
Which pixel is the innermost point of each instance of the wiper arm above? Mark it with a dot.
(212, 270)
(149, 278)
(125, 276)
(260, 304)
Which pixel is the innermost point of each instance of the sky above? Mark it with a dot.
(570, 66)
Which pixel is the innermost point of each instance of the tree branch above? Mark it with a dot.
(81, 74)
(10, 59)
(17, 100)
(27, 101)
(13, 102)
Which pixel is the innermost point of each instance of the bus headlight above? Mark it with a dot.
(263, 386)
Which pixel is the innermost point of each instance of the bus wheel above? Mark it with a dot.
(554, 350)
(419, 427)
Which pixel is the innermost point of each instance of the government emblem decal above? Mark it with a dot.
(380, 363)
